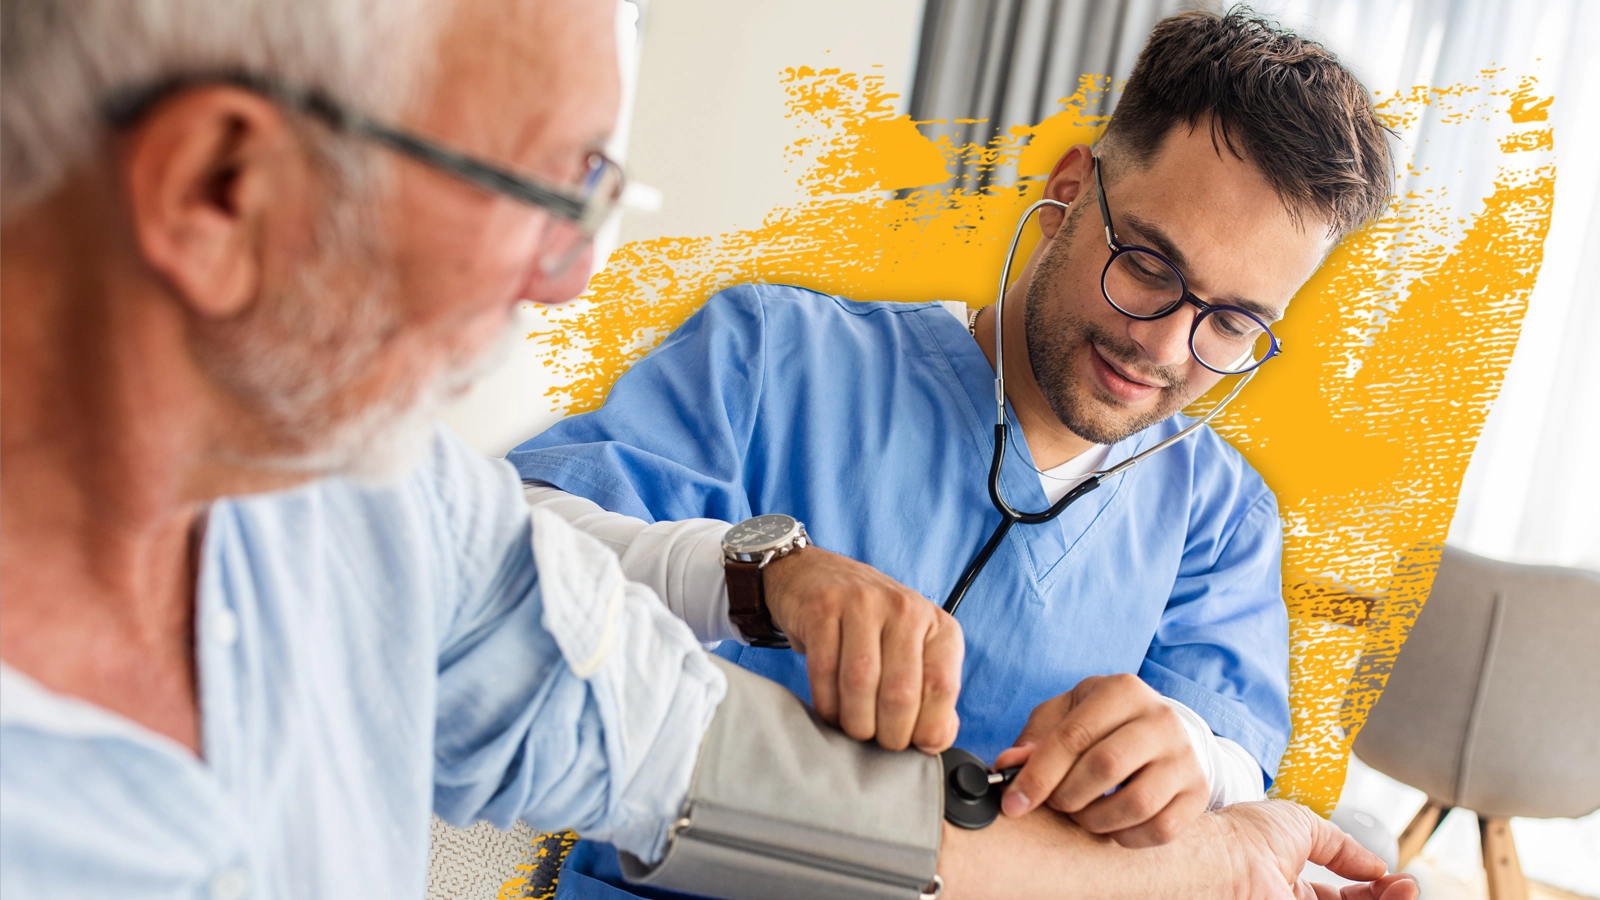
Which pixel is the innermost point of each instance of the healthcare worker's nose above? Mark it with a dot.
(1164, 342)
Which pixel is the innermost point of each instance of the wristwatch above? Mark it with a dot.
(746, 550)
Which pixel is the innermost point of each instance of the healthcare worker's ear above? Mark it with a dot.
(1072, 177)
(203, 171)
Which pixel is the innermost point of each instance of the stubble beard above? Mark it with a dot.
(1056, 337)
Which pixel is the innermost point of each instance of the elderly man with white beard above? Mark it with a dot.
(258, 617)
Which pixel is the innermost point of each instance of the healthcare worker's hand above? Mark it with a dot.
(1108, 731)
(884, 662)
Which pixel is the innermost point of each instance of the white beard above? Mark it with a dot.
(389, 437)
(292, 362)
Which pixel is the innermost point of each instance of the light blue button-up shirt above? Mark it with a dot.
(367, 655)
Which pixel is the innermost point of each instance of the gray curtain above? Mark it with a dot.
(1009, 62)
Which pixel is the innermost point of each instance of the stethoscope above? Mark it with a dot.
(1009, 515)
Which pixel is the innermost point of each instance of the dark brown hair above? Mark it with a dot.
(1271, 97)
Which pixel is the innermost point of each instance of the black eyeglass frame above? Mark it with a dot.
(587, 212)
(1118, 249)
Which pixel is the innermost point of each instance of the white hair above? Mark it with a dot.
(62, 61)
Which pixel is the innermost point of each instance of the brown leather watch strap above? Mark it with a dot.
(747, 605)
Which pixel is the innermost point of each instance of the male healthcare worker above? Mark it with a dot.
(1238, 156)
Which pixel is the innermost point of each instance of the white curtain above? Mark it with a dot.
(1532, 491)
(992, 64)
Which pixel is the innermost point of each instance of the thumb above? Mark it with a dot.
(1014, 756)
(1399, 886)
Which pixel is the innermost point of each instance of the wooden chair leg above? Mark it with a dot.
(1500, 861)
(1422, 827)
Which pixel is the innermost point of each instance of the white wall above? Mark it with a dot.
(708, 131)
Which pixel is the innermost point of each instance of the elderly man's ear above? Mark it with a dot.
(215, 177)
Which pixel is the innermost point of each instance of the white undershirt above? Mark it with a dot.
(682, 562)
(1060, 479)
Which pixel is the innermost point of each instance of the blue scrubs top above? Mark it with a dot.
(873, 423)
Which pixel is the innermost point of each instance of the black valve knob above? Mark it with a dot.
(970, 781)
(970, 801)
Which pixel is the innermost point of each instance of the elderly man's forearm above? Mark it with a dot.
(1044, 855)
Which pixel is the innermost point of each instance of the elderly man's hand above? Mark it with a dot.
(1271, 841)
(883, 661)
(1109, 732)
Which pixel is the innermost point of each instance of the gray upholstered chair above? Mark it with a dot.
(1494, 704)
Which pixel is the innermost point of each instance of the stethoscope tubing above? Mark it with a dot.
(1008, 518)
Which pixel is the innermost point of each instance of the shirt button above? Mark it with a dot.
(230, 884)
(224, 626)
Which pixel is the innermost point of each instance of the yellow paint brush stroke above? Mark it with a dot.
(1396, 349)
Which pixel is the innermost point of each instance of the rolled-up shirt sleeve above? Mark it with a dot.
(568, 696)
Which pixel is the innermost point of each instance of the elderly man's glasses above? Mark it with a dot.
(578, 211)
(1143, 284)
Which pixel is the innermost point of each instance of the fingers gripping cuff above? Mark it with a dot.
(785, 806)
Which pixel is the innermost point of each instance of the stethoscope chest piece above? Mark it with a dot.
(970, 800)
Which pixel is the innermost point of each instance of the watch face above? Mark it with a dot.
(761, 534)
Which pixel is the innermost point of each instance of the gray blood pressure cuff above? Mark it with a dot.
(786, 807)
